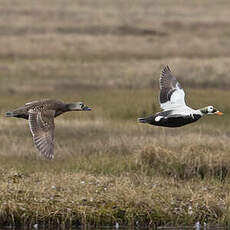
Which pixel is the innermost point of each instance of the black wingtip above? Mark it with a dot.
(165, 70)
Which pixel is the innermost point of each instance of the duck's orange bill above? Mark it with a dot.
(219, 113)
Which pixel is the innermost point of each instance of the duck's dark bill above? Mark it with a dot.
(86, 108)
(219, 113)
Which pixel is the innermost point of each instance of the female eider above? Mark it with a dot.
(175, 112)
(41, 121)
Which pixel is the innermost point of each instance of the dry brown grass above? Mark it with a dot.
(85, 199)
(108, 168)
(108, 171)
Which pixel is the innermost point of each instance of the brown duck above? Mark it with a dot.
(41, 116)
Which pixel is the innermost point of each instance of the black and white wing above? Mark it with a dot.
(171, 93)
(41, 125)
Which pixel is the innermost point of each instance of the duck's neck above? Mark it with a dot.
(200, 112)
(64, 108)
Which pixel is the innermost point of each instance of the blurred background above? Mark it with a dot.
(109, 54)
(55, 49)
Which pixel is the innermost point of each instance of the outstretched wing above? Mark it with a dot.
(171, 93)
(41, 125)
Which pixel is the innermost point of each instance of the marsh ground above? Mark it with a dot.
(107, 167)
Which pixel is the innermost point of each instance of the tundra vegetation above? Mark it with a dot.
(107, 167)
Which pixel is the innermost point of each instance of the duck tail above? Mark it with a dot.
(19, 113)
(141, 120)
(149, 120)
(10, 114)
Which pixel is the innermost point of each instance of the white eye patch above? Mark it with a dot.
(158, 118)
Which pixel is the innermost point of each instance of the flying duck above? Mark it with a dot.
(175, 112)
(41, 116)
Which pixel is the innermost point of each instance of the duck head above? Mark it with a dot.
(78, 106)
(210, 110)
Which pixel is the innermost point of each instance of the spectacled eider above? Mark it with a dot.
(175, 112)
(41, 116)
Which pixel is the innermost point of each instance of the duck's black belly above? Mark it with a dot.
(172, 121)
(177, 121)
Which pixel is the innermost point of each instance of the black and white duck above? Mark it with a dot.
(40, 115)
(175, 112)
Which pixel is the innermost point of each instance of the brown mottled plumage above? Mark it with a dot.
(41, 121)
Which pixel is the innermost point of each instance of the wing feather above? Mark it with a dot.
(171, 93)
(42, 126)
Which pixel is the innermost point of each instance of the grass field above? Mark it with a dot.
(107, 167)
